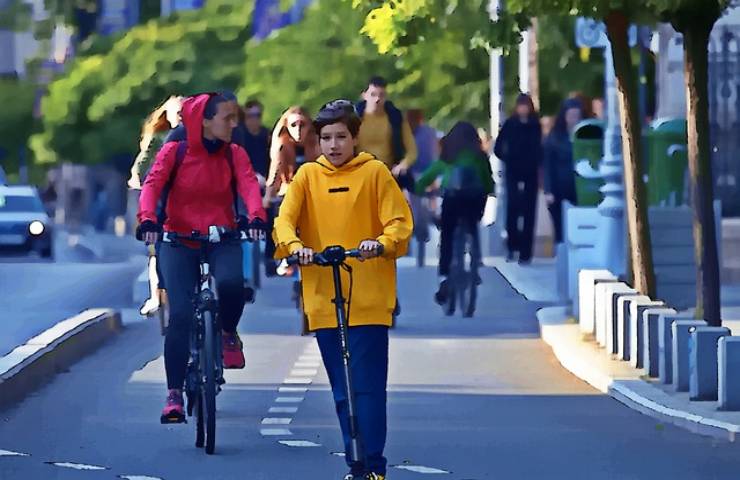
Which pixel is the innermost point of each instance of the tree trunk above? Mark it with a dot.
(696, 67)
(640, 248)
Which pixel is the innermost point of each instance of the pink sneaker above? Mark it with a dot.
(232, 350)
(173, 411)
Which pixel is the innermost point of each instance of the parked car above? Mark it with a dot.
(24, 223)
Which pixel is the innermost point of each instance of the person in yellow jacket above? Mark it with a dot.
(349, 199)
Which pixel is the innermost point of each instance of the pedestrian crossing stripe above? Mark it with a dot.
(288, 399)
(77, 466)
(303, 372)
(275, 432)
(298, 381)
(420, 469)
(9, 453)
(292, 390)
(298, 443)
(283, 410)
(276, 421)
(138, 477)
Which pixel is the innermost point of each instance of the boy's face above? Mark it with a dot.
(337, 143)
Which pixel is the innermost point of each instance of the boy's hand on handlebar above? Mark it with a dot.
(370, 249)
(305, 256)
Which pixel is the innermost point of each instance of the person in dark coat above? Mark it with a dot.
(559, 173)
(519, 146)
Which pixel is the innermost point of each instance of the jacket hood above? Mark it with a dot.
(359, 160)
(193, 109)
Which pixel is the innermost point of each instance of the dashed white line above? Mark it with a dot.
(292, 390)
(276, 421)
(288, 399)
(283, 409)
(298, 443)
(307, 364)
(338, 454)
(298, 381)
(9, 453)
(420, 469)
(77, 466)
(275, 432)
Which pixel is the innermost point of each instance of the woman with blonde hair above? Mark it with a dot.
(153, 133)
(294, 142)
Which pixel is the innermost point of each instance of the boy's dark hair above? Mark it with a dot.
(377, 81)
(338, 111)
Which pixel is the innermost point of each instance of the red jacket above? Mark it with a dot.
(200, 194)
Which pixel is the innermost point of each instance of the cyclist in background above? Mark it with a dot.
(467, 180)
(200, 196)
(348, 199)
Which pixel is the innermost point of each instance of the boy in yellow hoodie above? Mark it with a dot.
(351, 200)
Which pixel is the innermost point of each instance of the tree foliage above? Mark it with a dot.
(94, 111)
(16, 120)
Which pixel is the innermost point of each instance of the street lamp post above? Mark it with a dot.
(611, 240)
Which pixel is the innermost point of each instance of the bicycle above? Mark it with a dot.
(205, 370)
(335, 257)
(463, 281)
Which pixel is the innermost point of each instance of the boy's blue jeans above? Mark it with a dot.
(368, 346)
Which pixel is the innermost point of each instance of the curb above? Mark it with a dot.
(626, 386)
(29, 366)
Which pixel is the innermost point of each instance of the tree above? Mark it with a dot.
(16, 121)
(95, 110)
(393, 24)
(695, 20)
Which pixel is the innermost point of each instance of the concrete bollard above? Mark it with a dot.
(637, 330)
(728, 385)
(587, 281)
(703, 345)
(624, 303)
(606, 308)
(651, 339)
(665, 344)
(681, 334)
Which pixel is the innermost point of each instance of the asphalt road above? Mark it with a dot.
(480, 398)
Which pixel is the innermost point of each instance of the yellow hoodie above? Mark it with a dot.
(327, 206)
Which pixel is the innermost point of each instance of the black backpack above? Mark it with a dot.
(182, 148)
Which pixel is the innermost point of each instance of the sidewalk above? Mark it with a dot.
(587, 360)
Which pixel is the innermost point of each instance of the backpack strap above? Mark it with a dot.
(182, 148)
(395, 118)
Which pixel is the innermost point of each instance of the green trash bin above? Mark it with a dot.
(667, 162)
(588, 144)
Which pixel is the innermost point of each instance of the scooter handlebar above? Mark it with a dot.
(335, 255)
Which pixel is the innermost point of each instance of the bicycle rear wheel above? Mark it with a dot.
(200, 431)
(208, 362)
(469, 289)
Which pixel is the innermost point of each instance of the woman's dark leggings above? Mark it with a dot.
(469, 211)
(181, 273)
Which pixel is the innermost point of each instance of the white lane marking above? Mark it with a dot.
(9, 453)
(298, 443)
(309, 358)
(276, 421)
(301, 372)
(283, 409)
(298, 381)
(338, 454)
(275, 432)
(420, 469)
(288, 399)
(138, 477)
(292, 390)
(77, 466)
(312, 365)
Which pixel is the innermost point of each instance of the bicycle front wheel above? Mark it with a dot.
(209, 359)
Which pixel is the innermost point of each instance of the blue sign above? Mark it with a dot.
(592, 34)
(117, 15)
(178, 5)
(267, 16)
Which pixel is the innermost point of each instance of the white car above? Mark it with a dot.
(24, 223)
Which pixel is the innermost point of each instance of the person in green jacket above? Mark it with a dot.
(467, 180)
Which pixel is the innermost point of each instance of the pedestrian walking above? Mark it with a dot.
(559, 173)
(519, 147)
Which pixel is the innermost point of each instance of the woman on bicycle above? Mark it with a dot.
(349, 199)
(200, 196)
(294, 143)
(466, 182)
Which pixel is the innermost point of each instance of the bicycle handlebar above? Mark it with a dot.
(215, 235)
(334, 255)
